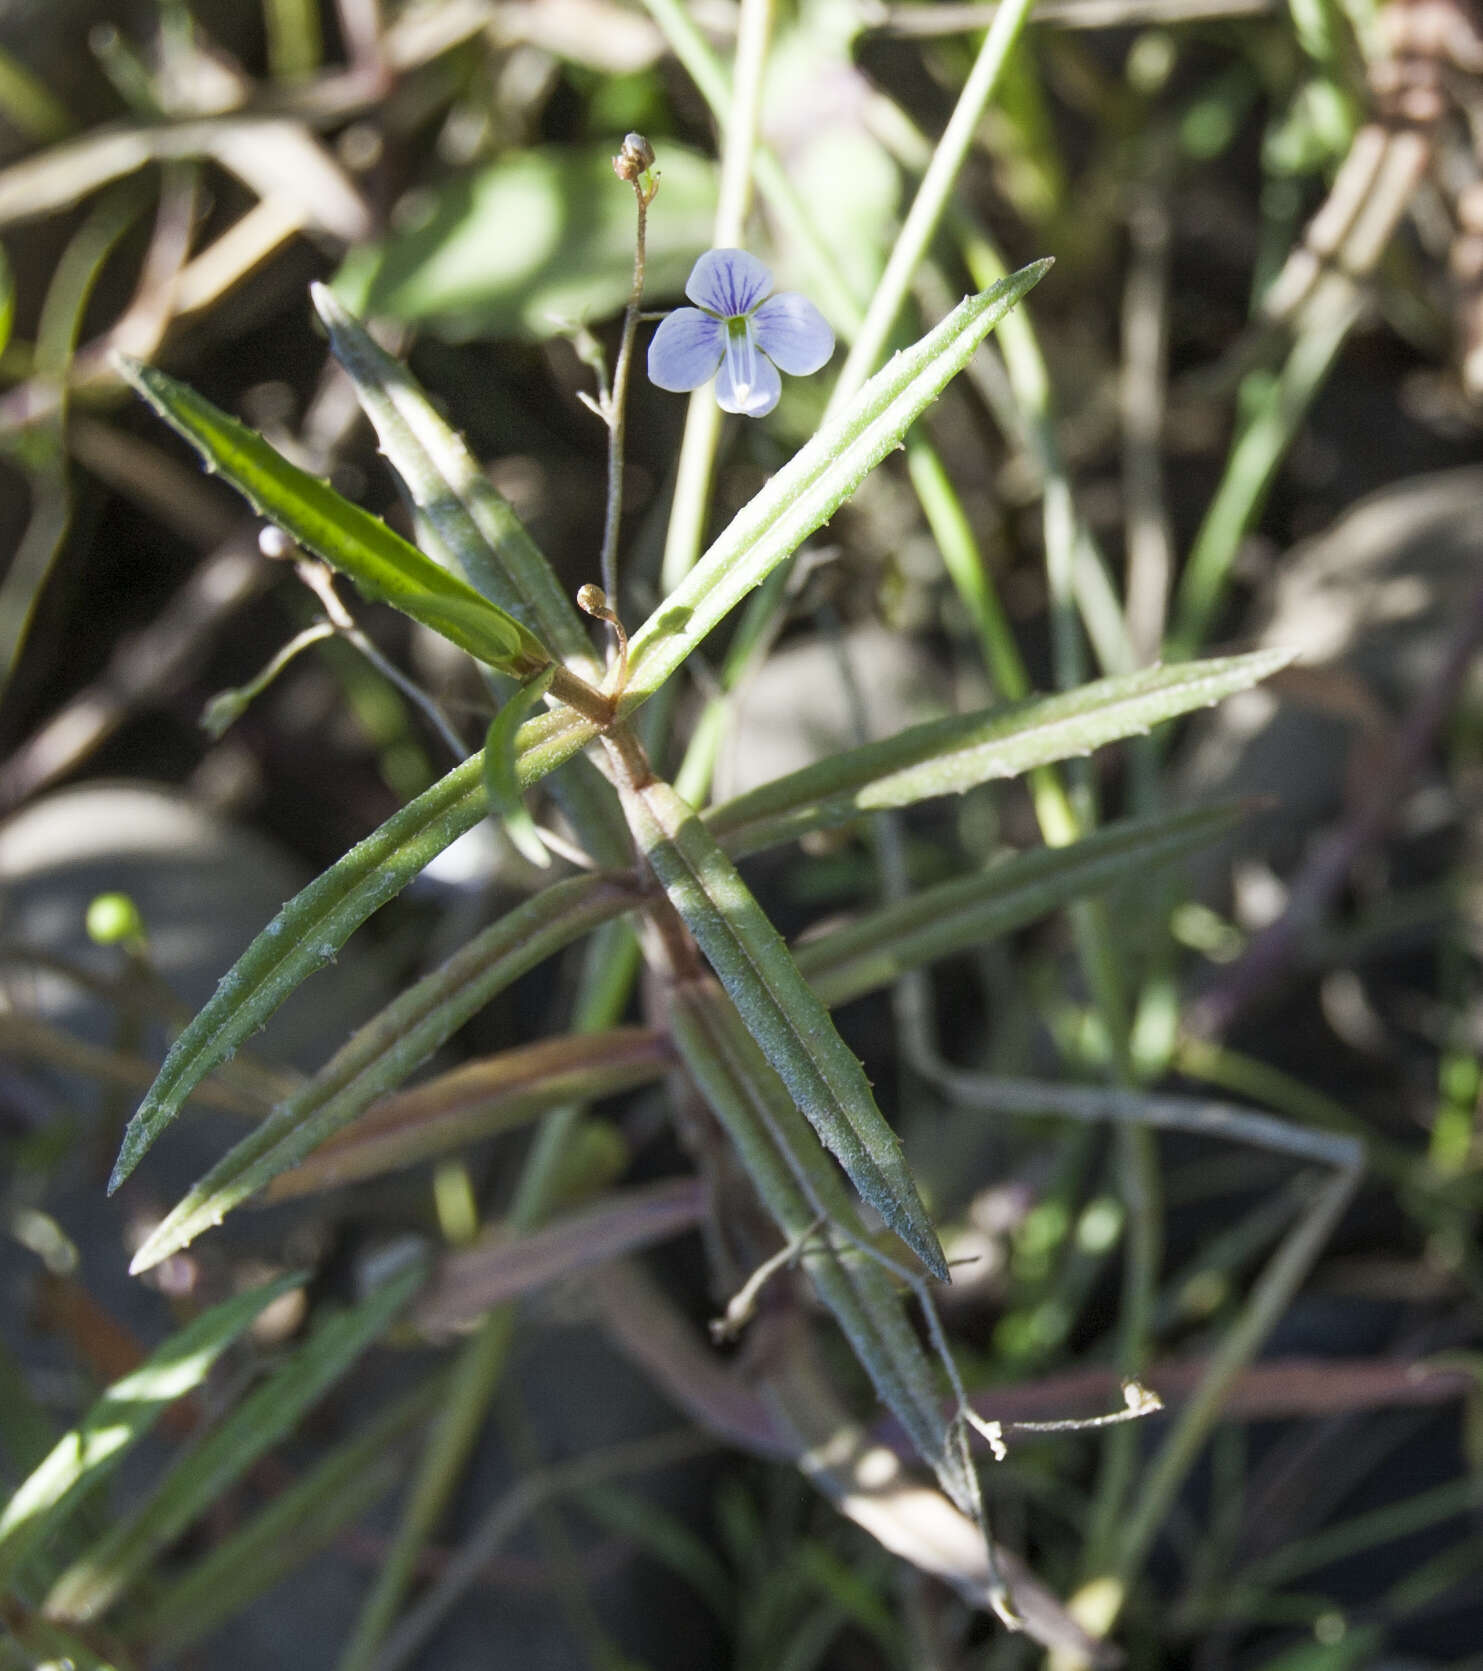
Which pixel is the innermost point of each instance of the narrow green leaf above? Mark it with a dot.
(484, 1098)
(381, 563)
(500, 778)
(477, 1101)
(780, 1011)
(951, 755)
(447, 1113)
(496, 1267)
(469, 524)
(798, 1185)
(92, 1584)
(814, 483)
(380, 1055)
(304, 936)
(293, 1527)
(972, 910)
(122, 1416)
(311, 928)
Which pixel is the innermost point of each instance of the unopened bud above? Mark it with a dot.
(636, 158)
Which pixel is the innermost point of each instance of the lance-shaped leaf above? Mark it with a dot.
(970, 911)
(468, 523)
(477, 1101)
(381, 563)
(501, 777)
(484, 1098)
(813, 484)
(481, 1099)
(380, 1055)
(311, 928)
(499, 1267)
(780, 1011)
(957, 753)
(799, 1188)
(123, 1415)
(92, 1584)
(292, 1528)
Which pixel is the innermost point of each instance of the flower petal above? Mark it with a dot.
(793, 334)
(728, 282)
(685, 350)
(747, 382)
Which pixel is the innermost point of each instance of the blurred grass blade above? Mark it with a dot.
(970, 911)
(814, 483)
(92, 1584)
(949, 756)
(497, 1267)
(780, 1011)
(42, 1646)
(382, 564)
(122, 1416)
(380, 1055)
(666, 1539)
(7, 299)
(465, 515)
(477, 1101)
(289, 1531)
(40, 449)
(311, 928)
(798, 1185)
(500, 776)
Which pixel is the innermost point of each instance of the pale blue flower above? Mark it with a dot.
(738, 333)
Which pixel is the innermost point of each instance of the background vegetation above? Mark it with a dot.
(1181, 1035)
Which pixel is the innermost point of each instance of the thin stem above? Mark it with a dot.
(321, 582)
(702, 438)
(931, 200)
(618, 403)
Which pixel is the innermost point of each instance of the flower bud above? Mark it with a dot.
(636, 158)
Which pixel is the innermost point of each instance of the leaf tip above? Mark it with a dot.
(331, 310)
(130, 1153)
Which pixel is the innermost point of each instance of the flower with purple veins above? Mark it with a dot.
(738, 333)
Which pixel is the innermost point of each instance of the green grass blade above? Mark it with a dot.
(122, 1416)
(808, 490)
(92, 1584)
(787, 1020)
(382, 564)
(469, 519)
(970, 911)
(501, 778)
(294, 1526)
(379, 1056)
(949, 756)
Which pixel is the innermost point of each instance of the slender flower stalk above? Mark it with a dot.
(635, 164)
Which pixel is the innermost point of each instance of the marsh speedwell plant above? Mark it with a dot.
(818, 1232)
